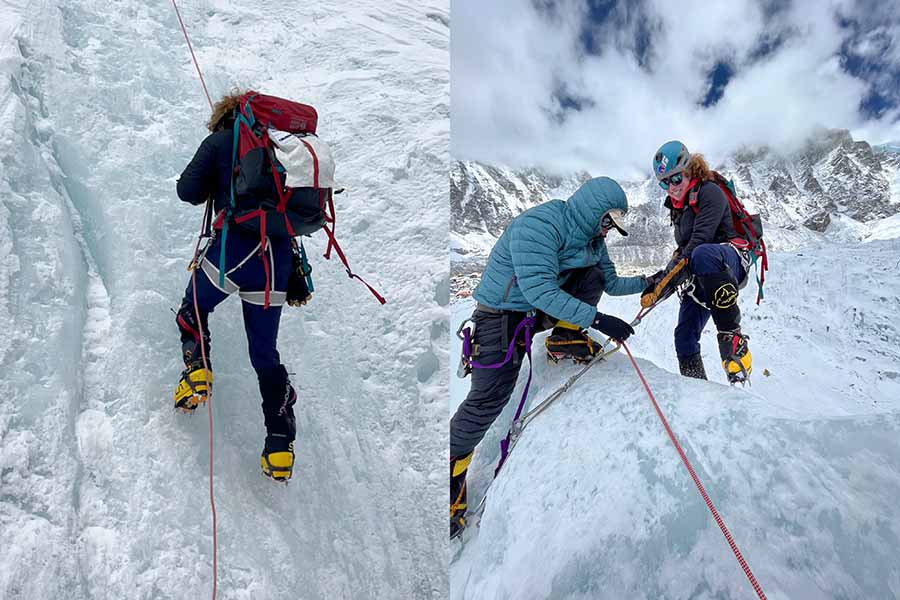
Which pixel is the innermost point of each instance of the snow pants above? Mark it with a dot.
(491, 388)
(245, 273)
(707, 260)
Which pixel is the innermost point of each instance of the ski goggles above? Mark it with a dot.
(671, 179)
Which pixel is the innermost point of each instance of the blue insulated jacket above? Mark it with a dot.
(530, 260)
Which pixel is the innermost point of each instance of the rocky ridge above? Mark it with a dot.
(798, 195)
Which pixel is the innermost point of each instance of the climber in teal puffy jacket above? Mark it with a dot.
(542, 246)
(551, 259)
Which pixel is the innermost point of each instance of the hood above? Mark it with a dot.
(588, 204)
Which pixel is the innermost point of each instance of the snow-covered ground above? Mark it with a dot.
(885, 229)
(103, 488)
(803, 466)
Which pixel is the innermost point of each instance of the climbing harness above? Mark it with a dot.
(527, 325)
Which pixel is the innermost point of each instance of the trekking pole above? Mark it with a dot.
(519, 424)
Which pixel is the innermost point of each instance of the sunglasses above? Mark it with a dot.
(606, 222)
(675, 179)
(609, 220)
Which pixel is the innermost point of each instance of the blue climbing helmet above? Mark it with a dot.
(671, 158)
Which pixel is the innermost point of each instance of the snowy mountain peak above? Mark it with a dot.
(798, 196)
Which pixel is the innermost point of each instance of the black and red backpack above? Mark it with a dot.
(266, 197)
(747, 226)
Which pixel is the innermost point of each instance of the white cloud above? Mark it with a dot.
(508, 59)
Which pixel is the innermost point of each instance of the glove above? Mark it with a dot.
(653, 281)
(612, 326)
(297, 292)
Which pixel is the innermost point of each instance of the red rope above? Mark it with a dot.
(195, 265)
(212, 499)
(709, 504)
(191, 48)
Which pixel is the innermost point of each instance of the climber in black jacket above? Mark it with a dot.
(208, 175)
(705, 238)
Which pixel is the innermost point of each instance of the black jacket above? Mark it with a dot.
(209, 172)
(711, 224)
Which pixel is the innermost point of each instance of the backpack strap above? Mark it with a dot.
(326, 202)
(761, 273)
(244, 117)
(315, 162)
(261, 215)
(694, 197)
(227, 212)
(744, 218)
(327, 196)
(283, 196)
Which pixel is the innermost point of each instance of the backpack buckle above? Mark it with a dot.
(740, 244)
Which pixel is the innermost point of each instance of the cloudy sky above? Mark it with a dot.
(598, 85)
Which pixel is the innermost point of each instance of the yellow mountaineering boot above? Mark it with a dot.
(570, 341)
(193, 388)
(458, 467)
(277, 460)
(735, 353)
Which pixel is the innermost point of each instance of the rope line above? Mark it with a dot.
(212, 499)
(191, 48)
(195, 265)
(687, 464)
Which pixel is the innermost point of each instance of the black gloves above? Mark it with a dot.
(612, 326)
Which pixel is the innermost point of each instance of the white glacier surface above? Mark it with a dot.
(803, 465)
(103, 488)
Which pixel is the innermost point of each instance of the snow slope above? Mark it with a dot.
(103, 488)
(803, 466)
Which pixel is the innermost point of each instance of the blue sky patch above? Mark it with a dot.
(718, 79)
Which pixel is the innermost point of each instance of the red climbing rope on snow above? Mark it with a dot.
(194, 266)
(709, 504)
(212, 499)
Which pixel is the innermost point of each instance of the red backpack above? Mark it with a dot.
(747, 226)
(261, 201)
